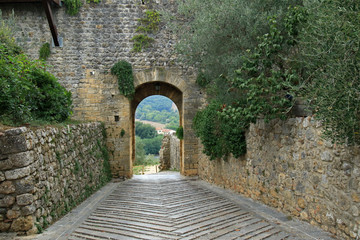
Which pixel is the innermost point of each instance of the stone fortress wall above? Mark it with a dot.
(46, 172)
(170, 153)
(93, 41)
(290, 167)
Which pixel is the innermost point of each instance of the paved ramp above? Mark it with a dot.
(172, 207)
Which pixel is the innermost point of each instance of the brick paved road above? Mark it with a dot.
(172, 207)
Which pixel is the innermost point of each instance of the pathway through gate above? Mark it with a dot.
(169, 206)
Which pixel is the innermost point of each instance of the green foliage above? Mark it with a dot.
(27, 91)
(77, 167)
(149, 24)
(106, 174)
(260, 88)
(180, 132)
(282, 50)
(72, 6)
(148, 160)
(151, 145)
(216, 34)
(220, 136)
(124, 73)
(139, 151)
(122, 133)
(141, 41)
(158, 109)
(93, 1)
(44, 51)
(329, 63)
(145, 130)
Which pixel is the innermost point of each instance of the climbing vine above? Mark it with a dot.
(149, 24)
(124, 73)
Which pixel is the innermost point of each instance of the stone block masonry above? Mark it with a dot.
(45, 172)
(170, 153)
(94, 40)
(290, 167)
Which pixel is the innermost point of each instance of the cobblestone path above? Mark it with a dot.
(171, 207)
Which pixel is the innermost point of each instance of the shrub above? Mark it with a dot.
(27, 91)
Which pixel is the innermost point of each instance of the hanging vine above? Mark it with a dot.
(124, 73)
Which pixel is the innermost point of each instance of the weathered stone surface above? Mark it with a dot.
(7, 201)
(12, 214)
(27, 210)
(25, 185)
(7, 187)
(42, 188)
(18, 173)
(4, 227)
(311, 179)
(21, 159)
(12, 144)
(22, 224)
(24, 199)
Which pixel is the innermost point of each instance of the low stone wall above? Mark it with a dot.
(46, 172)
(170, 153)
(290, 167)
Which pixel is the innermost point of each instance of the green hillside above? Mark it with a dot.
(158, 109)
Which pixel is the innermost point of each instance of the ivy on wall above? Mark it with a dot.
(124, 73)
(73, 6)
(149, 24)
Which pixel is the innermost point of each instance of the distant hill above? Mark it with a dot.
(158, 109)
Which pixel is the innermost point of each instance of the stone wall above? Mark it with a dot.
(46, 172)
(170, 153)
(290, 167)
(94, 40)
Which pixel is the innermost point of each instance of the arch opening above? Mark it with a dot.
(150, 89)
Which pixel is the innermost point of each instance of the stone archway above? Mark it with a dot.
(98, 99)
(181, 89)
(156, 88)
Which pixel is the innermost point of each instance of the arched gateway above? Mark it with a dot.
(182, 91)
(98, 98)
(92, 42)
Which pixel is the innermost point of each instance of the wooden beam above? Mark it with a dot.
(54, 33)
(57, 2)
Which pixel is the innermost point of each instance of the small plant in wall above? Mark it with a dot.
(72, 6)
(123, 71)
(122, 133)
(44, 51)
(149, 24)
(180, 133)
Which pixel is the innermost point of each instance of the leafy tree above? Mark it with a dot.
(139, 151)
(240, 48)
(145, 130)
(329, 66)
(152, 145)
